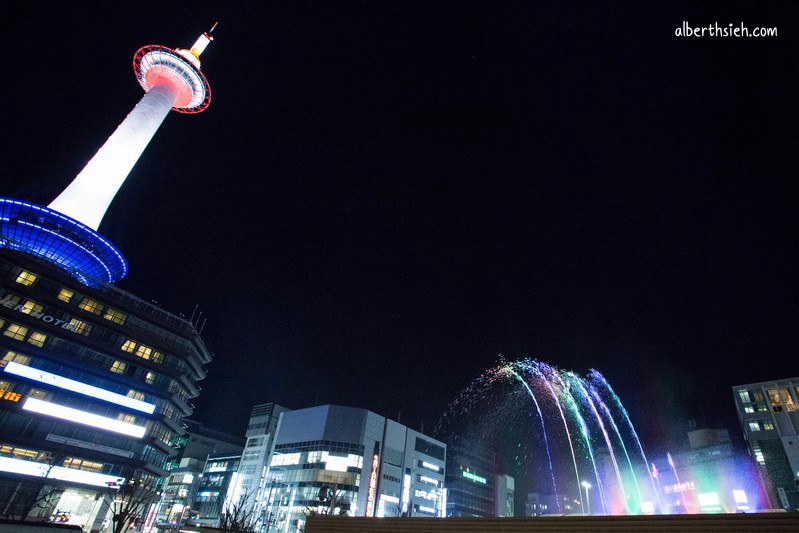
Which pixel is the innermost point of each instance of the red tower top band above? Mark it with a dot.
(178, 69)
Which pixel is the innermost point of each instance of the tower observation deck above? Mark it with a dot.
(65, 232)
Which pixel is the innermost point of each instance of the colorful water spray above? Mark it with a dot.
(567, 435)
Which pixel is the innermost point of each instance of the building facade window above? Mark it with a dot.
(31, 307)
(16, 331)
(91, 306)
(136, 395)
(26, 278)
(17, 358)
(118, 367)
(117, 317)
(128, 346)
(65, 295)
(787, 400)
(144, 351)
(774, 399)
(80, 327)
(744, 395)
(37, 338)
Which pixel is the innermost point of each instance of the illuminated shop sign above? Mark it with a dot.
(32, 468)
(406, 490)
(473, 477)
(83, 417)
(10, 396)
(370, 497)
(76, 386)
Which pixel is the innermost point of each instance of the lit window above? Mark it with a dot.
(158, 357)
(757, 396)
(744, 395)
(79, 326)
(136, 395)
(65, 295)
(283, 459)
(26, 278)
(37, 338)
(118, 317)
(15, 331)
(118, 367)
(749, 409)
(759, 455)
(13, 356)
(754, 426)
(767, 425)
(149, 378)
(774, 398)
(91, 306)
(124, 417)
(144, 352)
(128, 346)
(787, 400)
(31, 307)
(39, 394)
(2, 322)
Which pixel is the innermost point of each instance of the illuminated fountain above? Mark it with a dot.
(571, 437)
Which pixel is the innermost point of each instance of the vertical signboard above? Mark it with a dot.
(370, 495)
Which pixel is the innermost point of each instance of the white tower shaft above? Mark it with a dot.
(87, 198)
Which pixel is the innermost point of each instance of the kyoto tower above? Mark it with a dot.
(65, 232)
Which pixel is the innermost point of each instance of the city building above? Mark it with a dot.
(344, 460)
(250, 482)
(709, 477)
(186, 470)
(95, 382)
(769, 417)
(506, 494)
(475, 487)
(212, 489)
(94, 403)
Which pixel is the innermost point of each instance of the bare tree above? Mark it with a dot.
(129, 500)
(35, 494)
(238, 516)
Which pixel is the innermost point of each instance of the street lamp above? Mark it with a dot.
(586, 485)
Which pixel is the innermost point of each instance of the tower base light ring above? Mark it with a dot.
(60, 240)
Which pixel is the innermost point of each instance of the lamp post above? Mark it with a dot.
(586, 485)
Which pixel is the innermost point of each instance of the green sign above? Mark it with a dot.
(473, 477)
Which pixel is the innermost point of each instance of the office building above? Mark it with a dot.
(250, 481)
(212, 489)
(344, 460)
(475, 487)
(186, 470)
(769, 417)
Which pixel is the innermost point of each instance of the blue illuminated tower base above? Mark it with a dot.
(60, 240)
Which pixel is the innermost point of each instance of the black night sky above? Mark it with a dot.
(383, 197)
